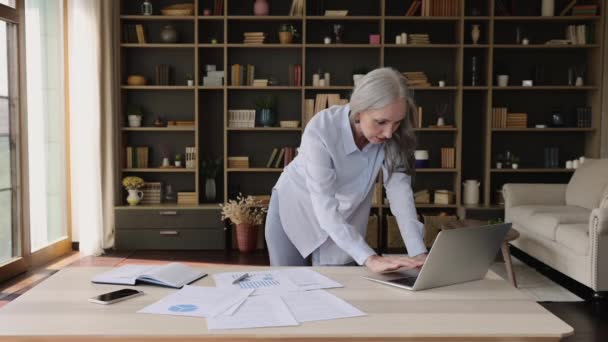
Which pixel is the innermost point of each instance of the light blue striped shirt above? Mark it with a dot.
(326, 192)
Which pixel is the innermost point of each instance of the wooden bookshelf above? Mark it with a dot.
(447, 56)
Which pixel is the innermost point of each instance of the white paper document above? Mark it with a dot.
(198, 301)
(307, 279)
(318, 305)
(256, 312)
(263, 282)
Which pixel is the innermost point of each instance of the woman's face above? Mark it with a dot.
(378, 125)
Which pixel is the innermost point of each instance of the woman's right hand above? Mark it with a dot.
(380, 264)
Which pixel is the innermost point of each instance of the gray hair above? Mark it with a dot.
(378, 89)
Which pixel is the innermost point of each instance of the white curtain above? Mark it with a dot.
(91, 31)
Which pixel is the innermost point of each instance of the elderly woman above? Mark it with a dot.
(321, 203)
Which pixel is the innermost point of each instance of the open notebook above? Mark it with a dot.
(171, 275)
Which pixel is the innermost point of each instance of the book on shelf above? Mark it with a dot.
(242, 75)
(443, 8)
(499, 117)
(190, 157)
(134, 33)
(419, 117)
(271, 158)
(567, 8)
(260, 83)
(584, 10)
(448, 157)
(297, 8)
(241, 118)
(579, 34)
(413, 9)
(583, 117)
(174, 275)
(152, 192)
(254, 37)
(218, 7)
(163, 74)
(288, 155)
(517, 120)
(295, 75)
(186, 198)
(136, 157)
(279, 159)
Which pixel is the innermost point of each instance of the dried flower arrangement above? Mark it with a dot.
(243, 210)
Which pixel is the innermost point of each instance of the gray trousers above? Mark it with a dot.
(281, 250)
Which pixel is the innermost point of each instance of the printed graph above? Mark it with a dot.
(258, 281)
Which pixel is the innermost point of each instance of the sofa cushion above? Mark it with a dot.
(587, 184)
(574, 237)
(543, 220)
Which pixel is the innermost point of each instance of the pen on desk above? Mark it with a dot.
(245, 275)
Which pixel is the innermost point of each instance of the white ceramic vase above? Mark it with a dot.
(475, 34)
(135, 196)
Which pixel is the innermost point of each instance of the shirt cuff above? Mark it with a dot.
(415, 243)
(361, 253)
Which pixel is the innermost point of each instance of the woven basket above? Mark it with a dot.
(178, 9)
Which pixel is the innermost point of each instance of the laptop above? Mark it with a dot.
(457, 256)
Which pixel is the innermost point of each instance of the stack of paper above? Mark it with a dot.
(262, 299)
(198, 301)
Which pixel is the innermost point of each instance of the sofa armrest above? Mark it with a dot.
(598, 238)
(533, 194)
(598, 223)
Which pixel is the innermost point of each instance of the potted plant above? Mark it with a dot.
(246, 214)
(210, 169)
(189, 80)
(178, 160)
(515, 162)
(286, 33)
(265, 111)
(134, 115)
(132, 184)
(358, 74)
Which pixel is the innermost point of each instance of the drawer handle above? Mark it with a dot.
(168, 213)
(169, 232)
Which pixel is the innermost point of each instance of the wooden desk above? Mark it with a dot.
(488, 310)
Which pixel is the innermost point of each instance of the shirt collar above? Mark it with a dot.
(348, 139)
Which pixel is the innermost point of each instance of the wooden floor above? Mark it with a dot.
(588, 318)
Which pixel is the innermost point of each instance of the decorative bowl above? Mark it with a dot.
(136, 80)
(178, 9)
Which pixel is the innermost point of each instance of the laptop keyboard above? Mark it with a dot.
(407, 281)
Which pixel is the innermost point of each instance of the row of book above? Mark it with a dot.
(186, 198)
(448, 157)
(295, 75)
(434, 8)
(281, 156)
(502, 119)
(218, 7)
(190, 157)
(241, 118)
(163, 74)
(583, 117)
(136, 157)
(254, 37)
(580, 34)
(322, 101)
(242, 75)
(134, 33)
(416, 79)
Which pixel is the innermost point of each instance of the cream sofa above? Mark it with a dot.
(565, 225)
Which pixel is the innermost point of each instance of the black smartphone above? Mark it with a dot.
(115, 296)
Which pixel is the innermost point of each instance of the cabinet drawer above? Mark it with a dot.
(160, 238)
(169, 218)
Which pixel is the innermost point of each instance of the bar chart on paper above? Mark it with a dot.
(258, 281)
(261, 282)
